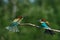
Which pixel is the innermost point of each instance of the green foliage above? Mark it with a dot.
(48, 9)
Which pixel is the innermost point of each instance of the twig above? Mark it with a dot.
(29, 24)
(55, 30)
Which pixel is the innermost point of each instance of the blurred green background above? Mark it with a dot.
(32, 10)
